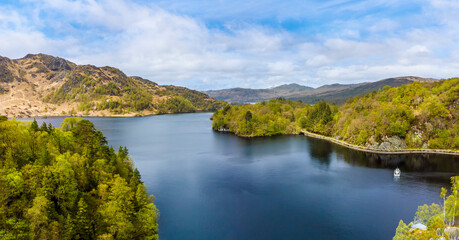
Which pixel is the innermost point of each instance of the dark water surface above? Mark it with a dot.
(217, 186)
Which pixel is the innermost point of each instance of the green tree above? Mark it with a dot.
(248, 116)
(403, 232)
(443, 196)
(69, 123)
(83, 224)
(454, 190)
(425, 212)
(117, 209)
(38, 217)
(146, 215)
(34, 125)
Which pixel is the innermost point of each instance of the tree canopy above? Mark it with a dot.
(68, 183)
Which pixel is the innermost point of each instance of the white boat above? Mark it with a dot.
(397, 172)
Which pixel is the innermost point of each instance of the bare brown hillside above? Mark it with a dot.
(43, 85)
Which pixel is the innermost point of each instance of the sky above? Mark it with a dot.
(216, 44)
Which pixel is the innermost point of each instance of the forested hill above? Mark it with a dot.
(68, 184)
(43, 85)
(418, 115)
(334, 93)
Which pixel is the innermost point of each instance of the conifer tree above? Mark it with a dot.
(83, 225)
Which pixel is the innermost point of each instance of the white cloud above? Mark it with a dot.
(18, 37)
(416, 54)
(172, 48)
(349, 73)
(384, 25)
(318, 61)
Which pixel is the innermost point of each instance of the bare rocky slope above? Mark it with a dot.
(43, 85)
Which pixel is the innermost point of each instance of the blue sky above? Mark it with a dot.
(218, 44)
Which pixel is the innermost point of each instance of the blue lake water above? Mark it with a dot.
(211, 185)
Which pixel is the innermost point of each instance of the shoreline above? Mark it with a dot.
(377, 151)
(128, 115)
(360, 148)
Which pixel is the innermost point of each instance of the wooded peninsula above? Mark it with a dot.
(413, 116)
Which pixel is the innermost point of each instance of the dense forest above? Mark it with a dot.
(417, 115)
(439, 220)
(67, 183)
(278, 116)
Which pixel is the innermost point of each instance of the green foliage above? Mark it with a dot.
(179, 105)
(277, 116)
(82, 225)
(68, 184)
(403, 232)
(435, 217)
(248, 116)
(70, 123)
(318, 117)
(422, 115)
(362, 138)
(425, 212)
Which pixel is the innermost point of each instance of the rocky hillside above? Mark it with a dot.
(418, 115)
(43, 85)
(334, 93)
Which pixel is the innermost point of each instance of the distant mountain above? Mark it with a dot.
(43, 85)
(292, 87)
(243, 95)
(334, 93)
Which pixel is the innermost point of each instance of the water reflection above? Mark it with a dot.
(320, 151)
(407, 163)
(249, 150)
